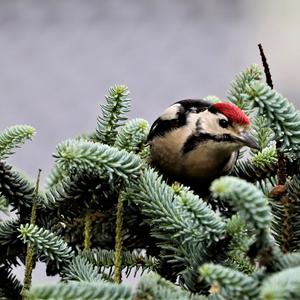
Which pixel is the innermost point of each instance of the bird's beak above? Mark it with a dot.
(248, 140)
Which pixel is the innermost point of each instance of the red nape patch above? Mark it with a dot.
(232, 112)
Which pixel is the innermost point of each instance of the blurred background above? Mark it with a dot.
(58, 59)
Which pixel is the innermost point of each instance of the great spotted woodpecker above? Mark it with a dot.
(195, 141)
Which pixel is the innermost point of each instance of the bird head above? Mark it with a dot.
(226, 124)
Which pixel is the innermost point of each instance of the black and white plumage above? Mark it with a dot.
(195, 141)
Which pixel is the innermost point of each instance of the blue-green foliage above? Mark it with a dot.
(47, 243)
(132, 135)
(284, 285)
(135, 260)
(152, 286)
(13, 137)
(184, 216)
(229, 283)
(113, 114)
(239, 85)
(74, 154)
(80, 269)
(247, 199)
(249, 93)
(282, 116)
(82, 291)
(228, 245)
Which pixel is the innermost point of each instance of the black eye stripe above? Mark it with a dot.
(195, 140)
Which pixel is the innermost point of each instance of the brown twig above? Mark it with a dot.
(118, 241)
(279, 192)
(282, 165)
(282, 169)
(30, 247)
(87, 230)
(266, 66)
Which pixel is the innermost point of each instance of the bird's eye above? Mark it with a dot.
(223, 123)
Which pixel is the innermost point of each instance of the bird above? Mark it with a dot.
(195, 141)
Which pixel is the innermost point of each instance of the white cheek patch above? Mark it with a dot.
(210, 123)
(171, 112)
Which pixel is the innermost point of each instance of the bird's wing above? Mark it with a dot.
(178, 116)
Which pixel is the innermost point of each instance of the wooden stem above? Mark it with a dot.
(30, 247)
(118, 241)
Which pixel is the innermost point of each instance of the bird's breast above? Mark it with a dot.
(205, 162)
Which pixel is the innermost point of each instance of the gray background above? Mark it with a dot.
(58, 58)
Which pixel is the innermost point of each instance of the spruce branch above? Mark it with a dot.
(11, 248)
(285, 208)
(230, 283)
(180, 217)
(152, 286)
(240, 241)
(81, 290)
(131, 260)
(132, 135)
(113, 114)
(10, 287)
(293, 190)
(284, 285)
(8, 231)
(199, 212)
(80, 269)
(238, 86)
(184, 216)
(56, 176)
(266, 185)
(247, 199)
(177, 231)
(13, 137)
(262, 167)
(145, 153)
(288, 260)
(262, 133)
(84, 155)
(76, 191)
(266, 158)
(18, 190)
(46, 242)
(212, 99)
(3, 204)
(283, 118)
(252, 172)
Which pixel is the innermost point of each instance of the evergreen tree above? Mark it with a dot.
(105, 213)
